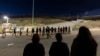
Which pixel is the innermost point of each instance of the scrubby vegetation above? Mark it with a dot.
(89, 24)
(36, 21)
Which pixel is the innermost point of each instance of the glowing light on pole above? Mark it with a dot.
(7, 18)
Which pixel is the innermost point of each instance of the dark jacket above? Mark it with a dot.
(83, 47)
(59, 49)
(34, 50)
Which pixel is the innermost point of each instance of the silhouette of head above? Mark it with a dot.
(36, 38)
(58, 37)
(84, 32)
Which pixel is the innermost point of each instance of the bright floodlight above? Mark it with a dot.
(6, 17)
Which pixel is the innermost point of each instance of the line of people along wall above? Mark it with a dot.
(38, 30)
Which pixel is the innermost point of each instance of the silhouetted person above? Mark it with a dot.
(84, 44)
(43, 31)
(32, 31)
(59, 48)
(37, 30)
(20, 33)
(52, 30)
(14, 31)
(55, 30)
(35, 48)
(27, 31)
(63, 29)
(4, 32)
(66, 29)
(48, 32)
(58, 29)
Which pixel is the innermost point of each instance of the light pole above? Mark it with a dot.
(7, 18)
(33, 13)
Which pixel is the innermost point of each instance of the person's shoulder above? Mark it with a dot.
(76, 39)
(29, 44)
(54, 42)
(63, 43)
(40, 44)
(59, 43)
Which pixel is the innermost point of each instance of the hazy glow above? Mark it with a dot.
(5, 17)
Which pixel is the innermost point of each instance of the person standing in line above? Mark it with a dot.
(55, 30)
(66, 29)
(39, 30)
(58, 29)
(52, 31)
(14, 31)
(27, 31)
(84, 44)
(32, 31)
(48, 32)
(63, 29)
(20, 33)
(3, 32)
(43, 31)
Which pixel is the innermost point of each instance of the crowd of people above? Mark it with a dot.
(39, 30)
(83, 45)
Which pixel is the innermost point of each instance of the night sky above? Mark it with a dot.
(50, 7)
(66, 7)
(16, 7)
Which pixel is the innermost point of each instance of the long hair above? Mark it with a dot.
(85, 34)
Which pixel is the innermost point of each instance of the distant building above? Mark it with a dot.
(80, 20)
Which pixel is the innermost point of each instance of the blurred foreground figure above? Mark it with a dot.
(59, 48)
(35, 48)
(84, 44)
